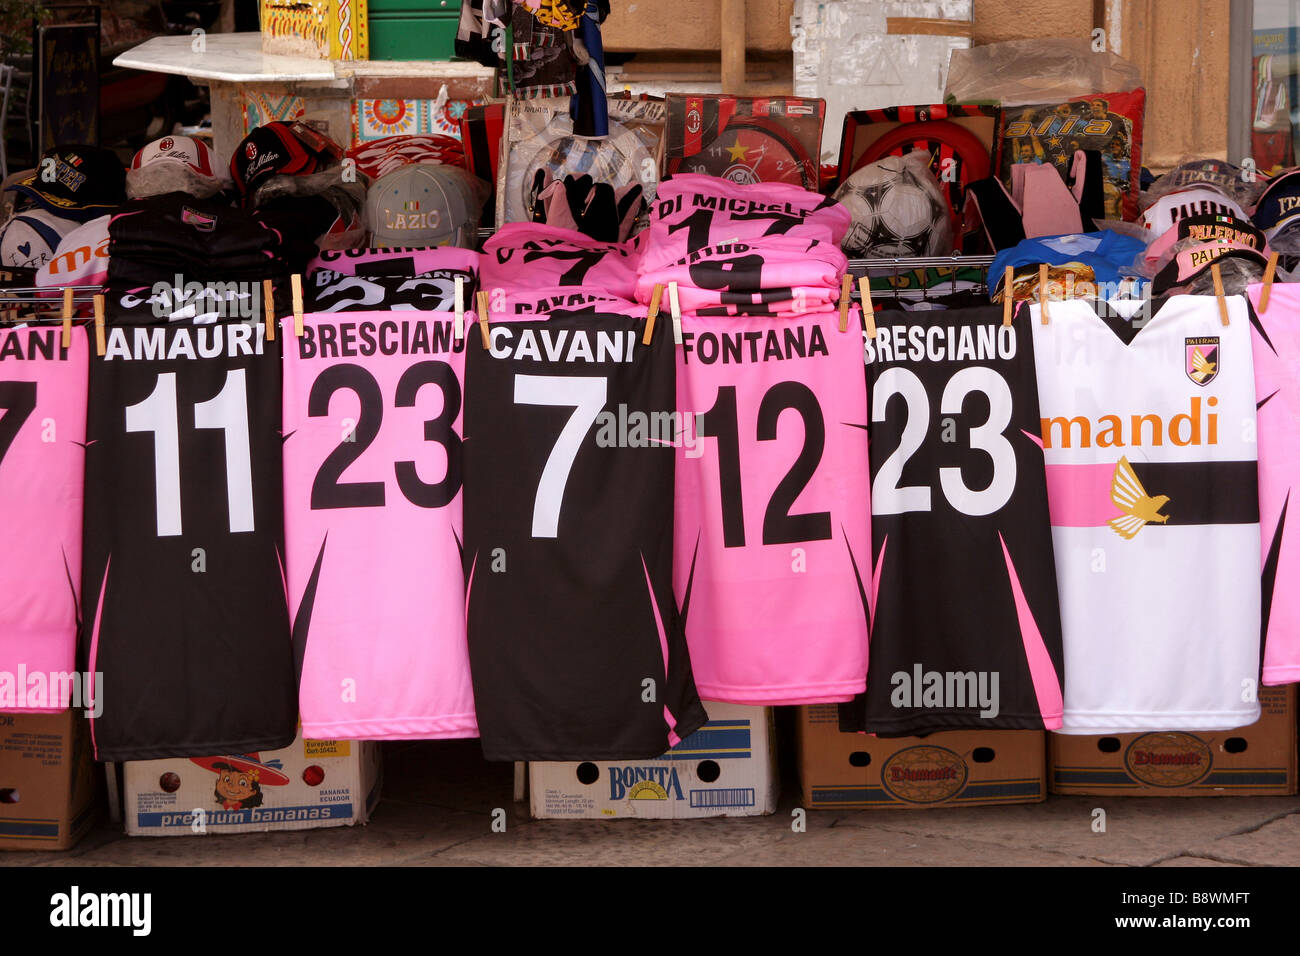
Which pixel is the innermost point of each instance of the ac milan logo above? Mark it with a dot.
(166, 144)
(693, 121)
(250, 150)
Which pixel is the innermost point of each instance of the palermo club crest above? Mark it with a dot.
(1201, 359)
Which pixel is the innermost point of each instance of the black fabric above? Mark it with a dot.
(945, 598)
(433, 291)
(565, 619)
(1001, 224)
(1092, 201)
(184, 606)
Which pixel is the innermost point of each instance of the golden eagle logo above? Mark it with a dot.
(1131, 498)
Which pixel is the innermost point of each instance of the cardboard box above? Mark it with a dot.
(1251, 761)
(962, 768)
(727, 768)
(309, 784)
(48, 793)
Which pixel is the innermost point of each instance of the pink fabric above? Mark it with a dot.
(1078, 496)
(1046, 206)
(529, 268)
(387, 623)
(1047, 686)
(42, 477)
(692, 211)
(773, 621)
(776, 276)
(1277, 387)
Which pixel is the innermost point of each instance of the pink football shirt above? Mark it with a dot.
(396, 262)
(776, 276)
(692, 211)
(1275, 346)
(771, 521)
(372, 498)
(42, 462)
(530, 268)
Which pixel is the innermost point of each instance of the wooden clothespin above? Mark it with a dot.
(458, 327)
(675, 307)
(1042, 290)
(1218, 293)
(295, 286)
(1008, 304)
(868, 308)
(845, 285)
(99, 324)
(652, 313)
(1269, 270)
(67, 318)
(483, 320)
(268, 308)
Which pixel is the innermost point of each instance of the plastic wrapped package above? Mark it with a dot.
(846, 54)
(1018, 72)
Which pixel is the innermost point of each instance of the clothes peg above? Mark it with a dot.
(268, 308)
(845, 285)
(67, 318)
(295, 285)
(1007, 305)
(99, 324)
(459, 326)
(1218, 293)
(675, 307)
(483, 320)
(652, 313)
(1269, 271)
(868, 309)
(1042, 290)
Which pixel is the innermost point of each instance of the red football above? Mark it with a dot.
(313, 776)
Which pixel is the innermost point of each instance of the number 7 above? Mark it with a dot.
(586, 395)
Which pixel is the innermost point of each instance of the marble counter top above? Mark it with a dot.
(238, 58)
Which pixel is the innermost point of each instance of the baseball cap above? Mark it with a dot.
(1164, 213)
(424, 204)
(1191, 260)
(1280, 203)
(30, 238)
(80, 259)
(379, 157)
(280, 149)
(1224, 177)
(173, 164)
(76, 182)
(1206, 229)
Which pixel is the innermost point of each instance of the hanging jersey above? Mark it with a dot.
(529, 268)
(183, 601)
(575, 641)
(771, 524)
(775, 276)
(398, 262)
(372, 477)
(1148, 429)
(692, 211)
(1275, 337)
(433, 291)
(42, 461)
(966, 628)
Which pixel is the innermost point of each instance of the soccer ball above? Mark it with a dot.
(898, 210)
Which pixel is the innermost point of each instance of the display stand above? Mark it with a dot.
(337, 92)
